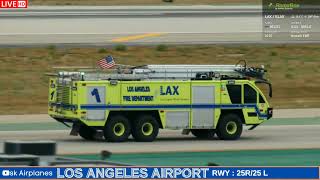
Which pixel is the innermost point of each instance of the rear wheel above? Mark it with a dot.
(87, 132)
(229, 127)
(203, 133)
(145, 128)
(117, 129)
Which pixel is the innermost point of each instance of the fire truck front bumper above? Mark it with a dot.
(269, 113)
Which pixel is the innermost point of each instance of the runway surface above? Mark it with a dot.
(130, 11)
(132, 25)
(135, 25)
(277, 113)
(264, 137)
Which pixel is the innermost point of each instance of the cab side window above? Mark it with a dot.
(261, 100)
(250, 95)
(234, 93)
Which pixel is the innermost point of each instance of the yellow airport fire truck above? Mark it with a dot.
(205, 100)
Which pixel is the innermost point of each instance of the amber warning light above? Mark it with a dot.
(13, 3)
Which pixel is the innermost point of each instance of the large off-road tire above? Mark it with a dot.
(87, 132)
(145, 128)
(229, 127)
(203, 133)
(117, 129)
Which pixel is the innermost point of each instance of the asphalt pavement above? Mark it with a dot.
(98, 26)
(133, 25)
(264, 137)
(302, 136)
(43, 118)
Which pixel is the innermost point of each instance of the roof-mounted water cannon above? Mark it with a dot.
(254, 72)
(251, 72)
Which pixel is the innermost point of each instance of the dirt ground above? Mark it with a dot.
(294, 70)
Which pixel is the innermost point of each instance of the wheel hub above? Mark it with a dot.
(147, 129)
(118, 129)
(231, 127)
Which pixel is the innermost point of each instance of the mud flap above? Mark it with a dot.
(75, 129)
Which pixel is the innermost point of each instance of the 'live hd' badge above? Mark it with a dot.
(13, 3)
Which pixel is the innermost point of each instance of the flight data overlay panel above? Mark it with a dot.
(291, 20)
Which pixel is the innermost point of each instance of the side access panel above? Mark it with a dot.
(203, 100)
(96, 99)
(177, 119)
(96, 95)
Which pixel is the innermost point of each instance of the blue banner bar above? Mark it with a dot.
(159, 173)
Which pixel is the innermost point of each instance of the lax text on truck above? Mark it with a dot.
(205, 100)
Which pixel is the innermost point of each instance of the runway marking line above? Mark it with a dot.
(136, 37)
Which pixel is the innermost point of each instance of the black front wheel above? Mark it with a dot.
(229, 127)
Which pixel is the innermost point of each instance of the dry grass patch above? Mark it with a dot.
(293, 69)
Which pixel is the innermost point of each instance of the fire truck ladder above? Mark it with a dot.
(199, 71)
(171, 72)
